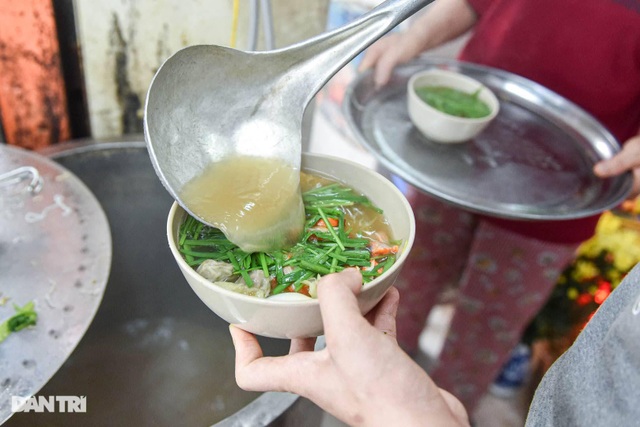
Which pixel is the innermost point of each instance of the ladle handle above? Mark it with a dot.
(321, 57)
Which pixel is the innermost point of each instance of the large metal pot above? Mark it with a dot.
(154, 354)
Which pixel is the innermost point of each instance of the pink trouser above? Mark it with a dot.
(502, 279)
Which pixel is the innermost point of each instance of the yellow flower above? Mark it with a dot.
(608, 223)
(614, 277)
(591, 248)
(624, 261)
(572, 293)
(584, 270)
(611, 236)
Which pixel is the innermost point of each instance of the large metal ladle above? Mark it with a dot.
(208, 102)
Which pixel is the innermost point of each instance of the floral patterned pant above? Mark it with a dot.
(502, 279)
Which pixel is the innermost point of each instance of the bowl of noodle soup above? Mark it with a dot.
(273, 295)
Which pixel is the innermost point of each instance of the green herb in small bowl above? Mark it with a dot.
(450, 107)
(454, 102)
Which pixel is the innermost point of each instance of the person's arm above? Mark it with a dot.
(442, 21)
(362, 376)
(628, 159)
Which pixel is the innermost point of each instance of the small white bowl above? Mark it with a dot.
(442, 127)
(291, 318)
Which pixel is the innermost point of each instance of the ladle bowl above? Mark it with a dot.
(208, 102)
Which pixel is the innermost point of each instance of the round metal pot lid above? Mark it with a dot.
(55, 251)
(533, 162)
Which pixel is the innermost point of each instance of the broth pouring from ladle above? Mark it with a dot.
(255, 201)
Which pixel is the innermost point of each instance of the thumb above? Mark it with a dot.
(609, 167)
(338, 303)
(628, 158)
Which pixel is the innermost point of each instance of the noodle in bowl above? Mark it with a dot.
(289, 316)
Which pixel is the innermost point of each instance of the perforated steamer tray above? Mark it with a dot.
(55, 250)
(533, 162)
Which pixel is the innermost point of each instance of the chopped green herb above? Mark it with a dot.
(454, 102)
(24, 317)
(326, 246)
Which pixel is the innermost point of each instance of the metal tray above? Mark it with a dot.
(55, 250)
(533, 162)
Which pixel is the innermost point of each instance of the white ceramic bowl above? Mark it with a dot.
(296, 319)
(442, 127)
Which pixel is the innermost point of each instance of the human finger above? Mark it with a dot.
(257, 373)
(302, 344)
(402, 50)
(636, 184)
(627, 159)
(247, 346)
(384, 67)
(456, 407)
(373, 53)
(383, 315)
(369, 59)
(338, 303)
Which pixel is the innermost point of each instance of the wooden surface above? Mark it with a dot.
(32, 94)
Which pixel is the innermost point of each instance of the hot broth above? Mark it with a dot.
(255, 201)
(342, 229)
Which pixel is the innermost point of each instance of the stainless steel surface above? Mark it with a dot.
(55, 250)
(534, 161)
(207, 102)
(14, 176)
(154, 354)
(267, 22)
(253, 24)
